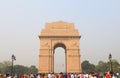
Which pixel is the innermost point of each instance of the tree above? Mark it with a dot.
(115, 65)
(21, 69)
(105, 66)
(5, 67)
(1, 66)
(102, 67)
(87, 67)
(33, 69)
(24, 69)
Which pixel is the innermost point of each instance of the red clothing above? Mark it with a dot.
(108, 75)
(68, 76)
(61, 76)
(81, 76)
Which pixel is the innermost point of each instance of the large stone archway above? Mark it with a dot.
(59, 34)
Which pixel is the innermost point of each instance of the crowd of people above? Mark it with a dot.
(63, 75)
(81, 75)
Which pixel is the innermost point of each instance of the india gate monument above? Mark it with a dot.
(59, 34)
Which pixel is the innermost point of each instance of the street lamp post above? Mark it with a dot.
(13, 59)
(110, 60)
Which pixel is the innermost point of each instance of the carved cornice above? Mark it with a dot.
(59, 37)
(45, 55)
(74, 55)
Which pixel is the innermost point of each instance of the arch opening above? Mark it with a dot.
(59, 58)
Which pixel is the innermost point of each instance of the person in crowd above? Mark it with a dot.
(114, 75)
(45, 76)
(55, 76)
(108, 75)
(68, 75)
(38, 75)
(49, 75)
(72, 75)
(64, 75)
(81, 75)
(31, 75)
(61, 75)
(0, 75)
(8, 76)
(52, 75)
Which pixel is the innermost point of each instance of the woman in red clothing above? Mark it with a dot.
(61, 75)
(108, 75)
(68, 75)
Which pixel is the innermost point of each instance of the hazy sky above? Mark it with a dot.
(98, 22)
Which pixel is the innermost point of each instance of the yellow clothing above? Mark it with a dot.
(0, 75)
(45, 76)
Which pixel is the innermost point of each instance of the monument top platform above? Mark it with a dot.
(59, 28)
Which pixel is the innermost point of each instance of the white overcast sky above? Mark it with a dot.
(98, 22)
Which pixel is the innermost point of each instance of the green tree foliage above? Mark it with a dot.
(102, 67)
(6, 67)
(21, 69)
(24, 69)
(87, 67)
(116, 66)
(33, 69)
